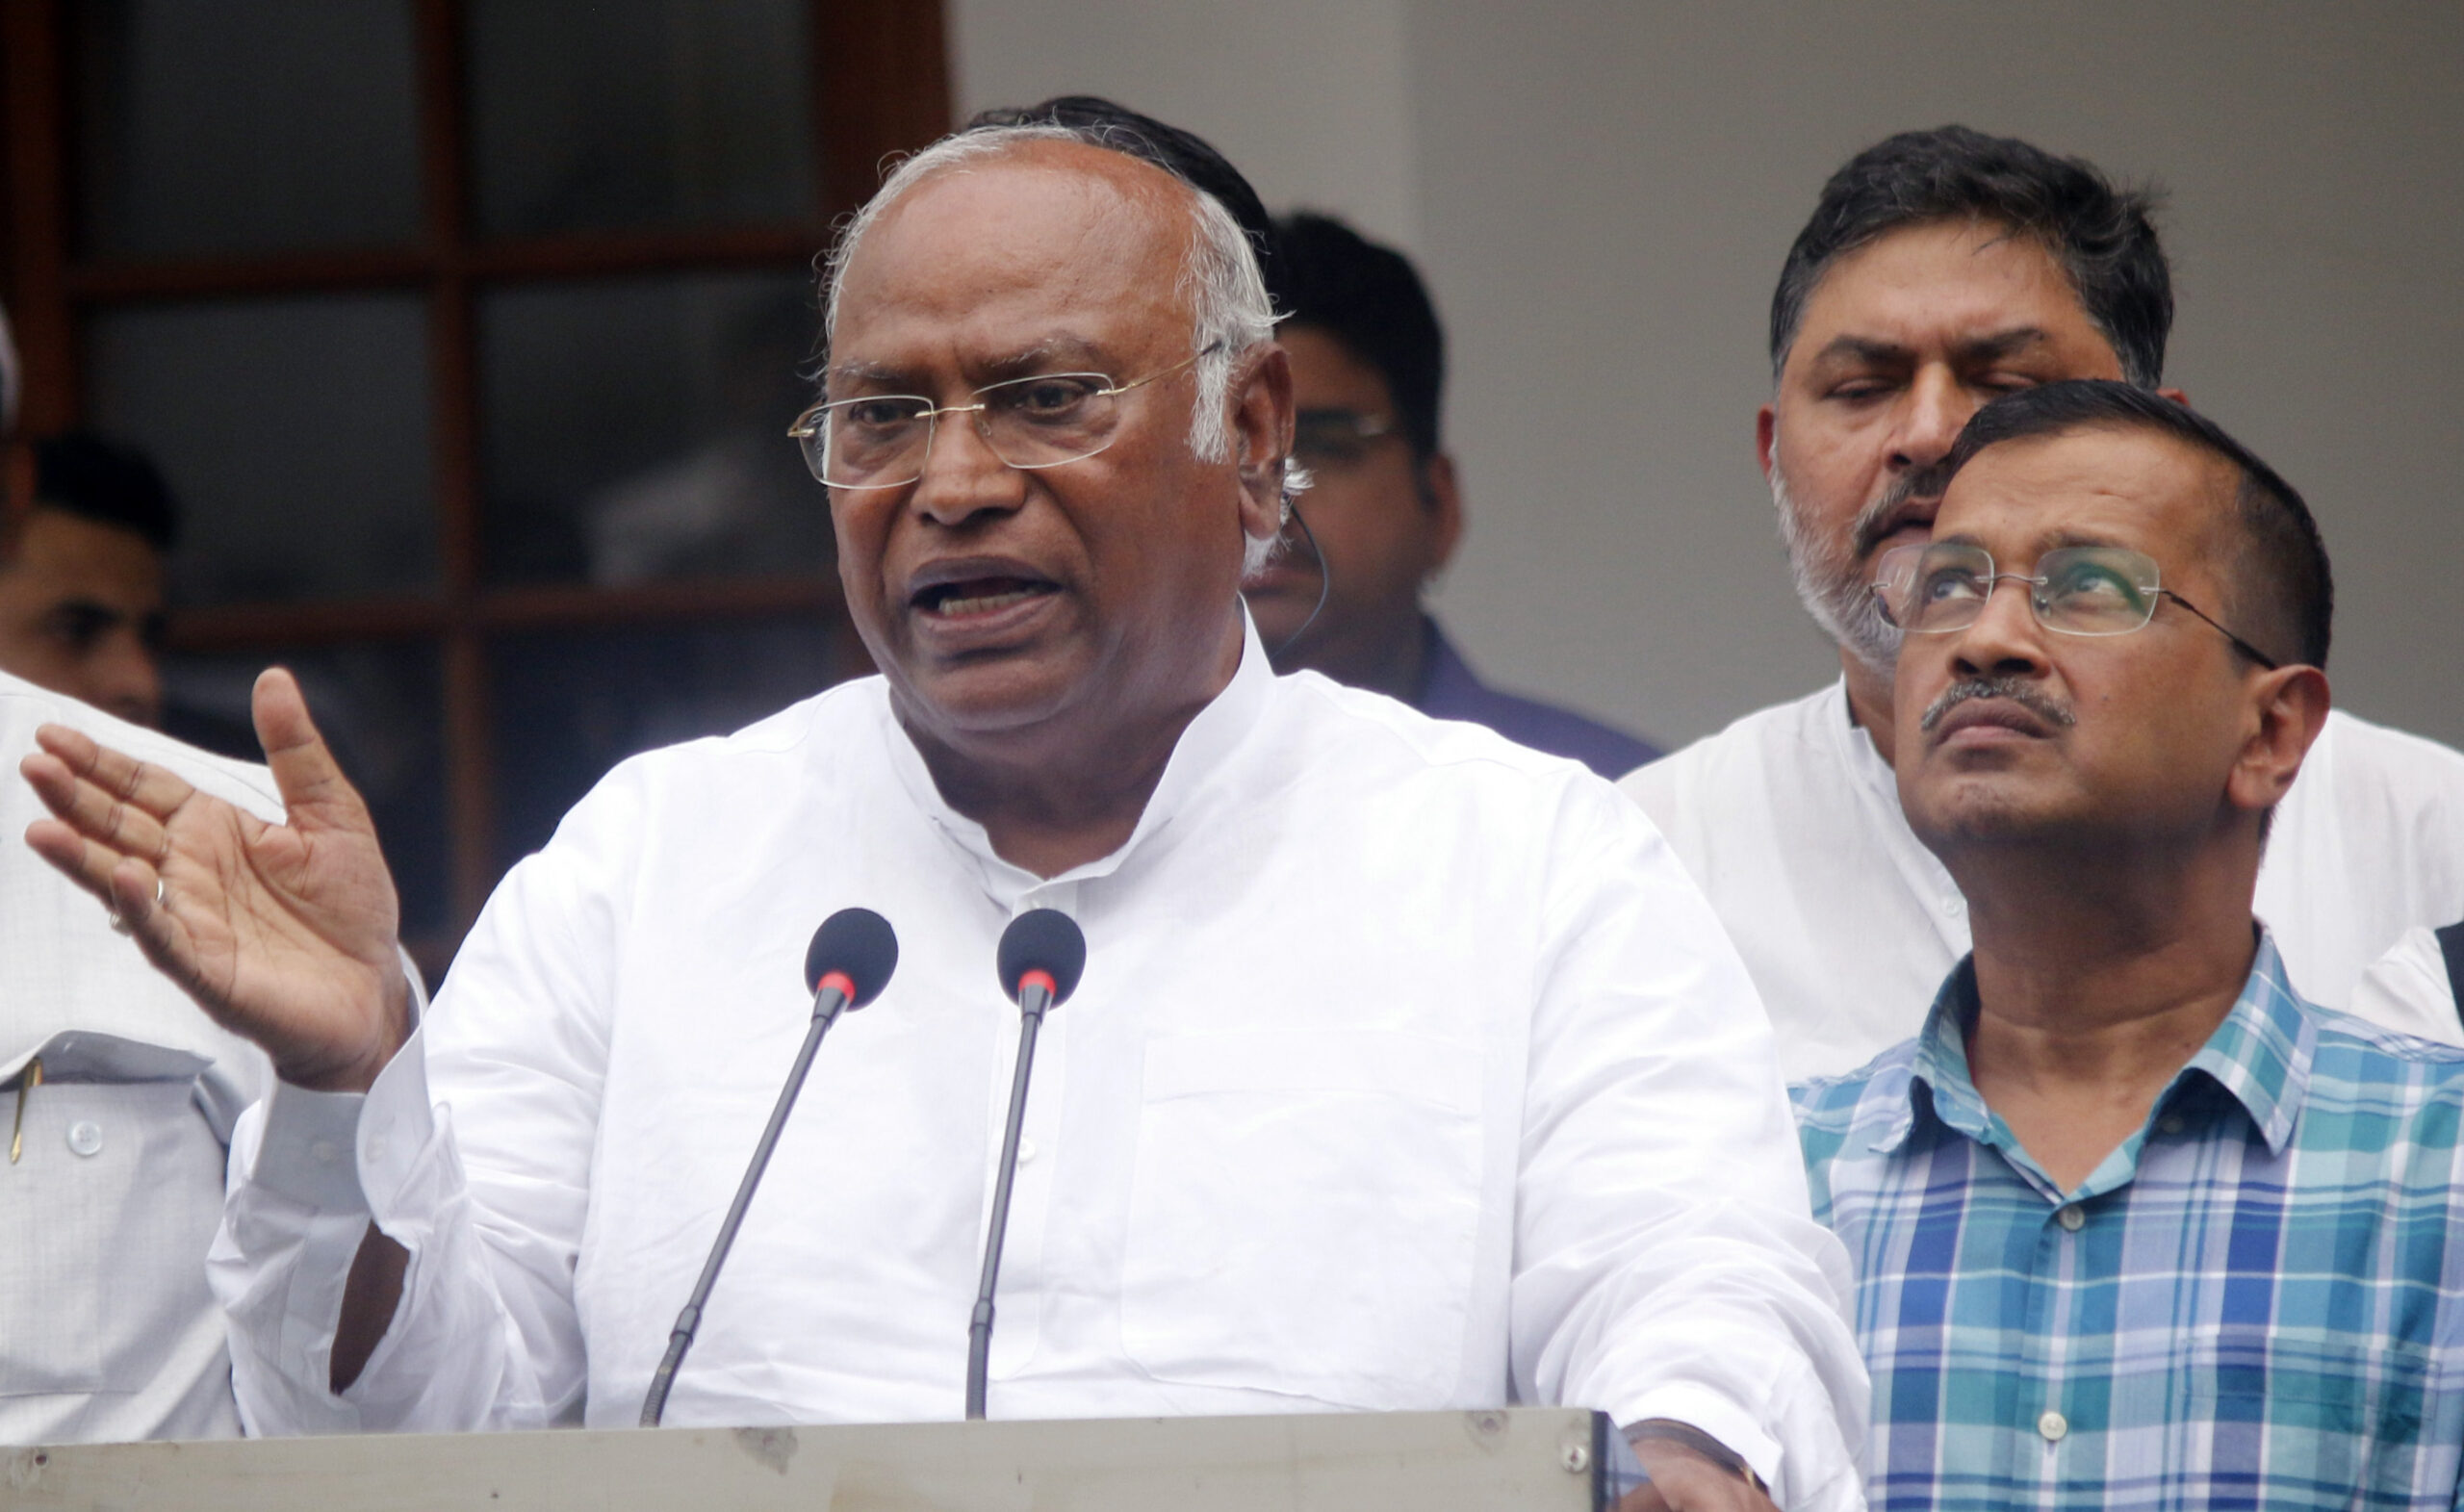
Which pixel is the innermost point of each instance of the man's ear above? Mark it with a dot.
(1262, 421)
(2179, 396)
(1442, 492)
(1766, 436)
(2291, 705)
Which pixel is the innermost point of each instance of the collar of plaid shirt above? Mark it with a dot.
(2258, 1299)
(2260, 1056)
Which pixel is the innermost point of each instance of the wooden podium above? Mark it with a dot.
(1527, 1460)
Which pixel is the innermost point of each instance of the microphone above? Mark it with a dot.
(1042, 955)
(846, 966)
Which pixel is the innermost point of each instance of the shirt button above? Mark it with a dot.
(85, 1137)
(2071, 1217)
(1955, 906)
(2053, 1425)
(1026, 1151)
(325, 1152)
(2170, 1123)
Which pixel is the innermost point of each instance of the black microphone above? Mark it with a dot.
(1042, 955)
(846, 966)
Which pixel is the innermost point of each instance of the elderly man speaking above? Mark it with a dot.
(1408, 1070)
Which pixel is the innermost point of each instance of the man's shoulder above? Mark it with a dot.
(2375, 1060)
(1848, 1124)
(1847, 1098)
(1386, 764)
(2392, 1096)
(1787, 754)
(809, 728)
(1748, 747)
(25, 708)
(1455, 692)
(1373, 727)
(2362, 754)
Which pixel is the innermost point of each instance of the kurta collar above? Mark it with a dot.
(1204, 748)
(2260, 1056)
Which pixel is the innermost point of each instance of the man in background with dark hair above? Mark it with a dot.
(2156, 1232)
(1940, 270)
(81, 576)
(116, 1096)
(1383, 512)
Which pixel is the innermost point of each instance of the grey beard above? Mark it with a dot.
(1830, 583)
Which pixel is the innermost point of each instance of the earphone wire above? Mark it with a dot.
(1325, 582)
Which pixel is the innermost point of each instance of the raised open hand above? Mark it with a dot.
(284, 933)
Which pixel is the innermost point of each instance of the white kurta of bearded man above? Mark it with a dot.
(1408, 1071)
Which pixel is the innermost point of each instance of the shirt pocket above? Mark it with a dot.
(2341, 1411)
(1304, 1214)
(65, 1206)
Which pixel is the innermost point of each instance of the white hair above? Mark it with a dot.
(1221, 279)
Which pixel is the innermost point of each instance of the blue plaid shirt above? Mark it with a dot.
(2256, 1301)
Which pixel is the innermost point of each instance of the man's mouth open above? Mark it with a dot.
(975, 598)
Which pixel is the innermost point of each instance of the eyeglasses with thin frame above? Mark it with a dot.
(884, 440)
(1331, 440)
(1933, 588)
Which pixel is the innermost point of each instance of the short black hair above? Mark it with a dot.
(1369, 298)
(2286, 593)
(1184, 154)
(80, 473)
(2104, 236)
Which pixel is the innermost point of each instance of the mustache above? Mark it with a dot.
(2052, 712)
(1881, 516)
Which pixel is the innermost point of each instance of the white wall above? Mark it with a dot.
(1312, 100)
(1601, 196)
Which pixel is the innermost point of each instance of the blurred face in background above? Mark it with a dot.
(81, 612)
(1384, 523)
(1901, 341)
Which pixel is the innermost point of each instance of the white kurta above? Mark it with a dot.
(1790, 821)
(107, 1331)
(2411, 981)
(1407, 1065)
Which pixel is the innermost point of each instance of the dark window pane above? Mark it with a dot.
(568, 705)
(637, 428)
(224, 126)
(294, 432)
(591, 114)
(381, 708)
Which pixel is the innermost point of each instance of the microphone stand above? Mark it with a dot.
(827, 1004)
(1035, 996)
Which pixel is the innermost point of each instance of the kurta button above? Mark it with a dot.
(2071, 1217)
(2053, 1425)
(85, 1137)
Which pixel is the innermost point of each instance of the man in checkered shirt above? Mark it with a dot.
(2134, 1226)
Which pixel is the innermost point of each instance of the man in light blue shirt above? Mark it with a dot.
(2133, 1225)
